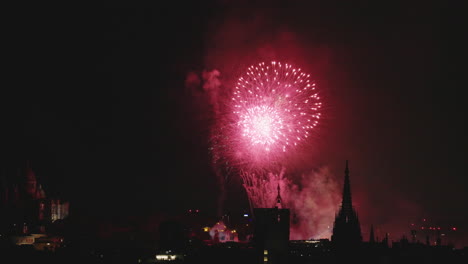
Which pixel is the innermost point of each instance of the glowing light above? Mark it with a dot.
(262, 125)
(166, 257)
(274, 109)
(268, 120)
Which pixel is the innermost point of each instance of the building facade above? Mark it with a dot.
(24, 205)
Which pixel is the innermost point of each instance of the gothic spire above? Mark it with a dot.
(346, 229)
(278, 198)
(347, 202)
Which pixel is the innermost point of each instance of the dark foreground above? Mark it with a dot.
(230, 253)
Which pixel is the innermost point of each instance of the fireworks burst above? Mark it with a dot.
(274, 107)
(261, 129)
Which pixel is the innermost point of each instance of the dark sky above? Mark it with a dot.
(97, 101)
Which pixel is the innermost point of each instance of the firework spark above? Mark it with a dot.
(274, 107)
(270, 114)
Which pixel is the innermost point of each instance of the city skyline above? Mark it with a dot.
(102, 110)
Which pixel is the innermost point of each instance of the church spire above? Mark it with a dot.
(347, 202)
(346, 228)
(278, 198)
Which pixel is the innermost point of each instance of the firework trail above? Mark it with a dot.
(313, 201)
(267, 120)
(269, 116)
(261, 188)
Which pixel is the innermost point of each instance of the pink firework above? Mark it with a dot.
(274, 107)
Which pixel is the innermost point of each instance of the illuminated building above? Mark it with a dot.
(25, 205)
(220, 233)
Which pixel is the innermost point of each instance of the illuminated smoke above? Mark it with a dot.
(251, 144)
(205, 96)
(204, 89)
(268, 120)
(211, 85)
(314, 205)
(313, 200)
(261, 187)
(192, 82)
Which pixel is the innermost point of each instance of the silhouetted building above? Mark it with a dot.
(346, 228)
(271, 232)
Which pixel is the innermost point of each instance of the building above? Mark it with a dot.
(220, 233)
(346, 228)
(25, 205)
(271, 232)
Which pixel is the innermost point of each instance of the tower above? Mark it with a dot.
(371, 236)
(346, 228)
(278, 199)
(271, 232)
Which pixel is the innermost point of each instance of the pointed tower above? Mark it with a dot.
(371, 236)
(271, 231)
(346, 228)
(278, 199)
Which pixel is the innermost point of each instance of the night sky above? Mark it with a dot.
(99, 106)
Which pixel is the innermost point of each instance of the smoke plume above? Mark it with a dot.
(204, 87)
(313, 199)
